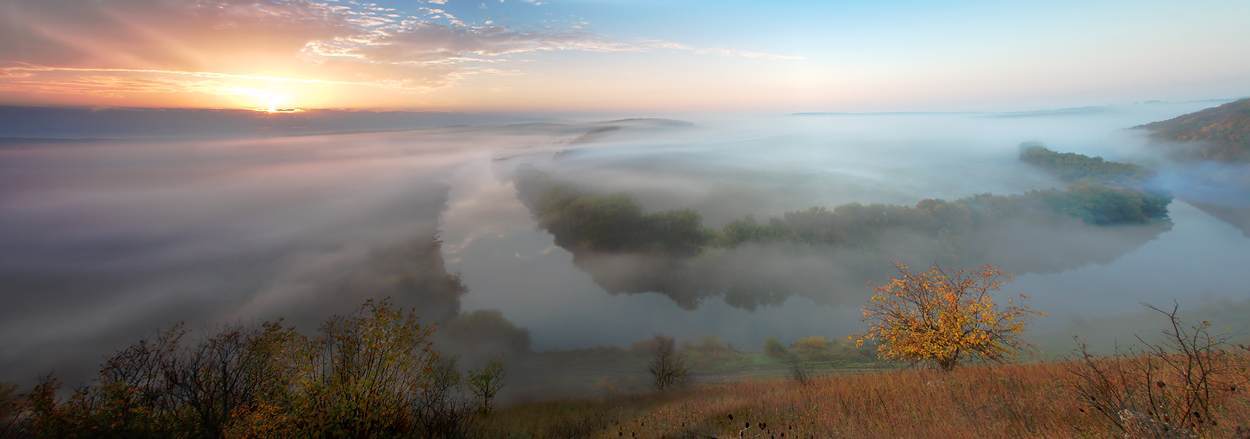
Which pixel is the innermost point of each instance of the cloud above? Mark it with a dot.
(114, 48)
(120, 83)
(173, 35)
(430, 42)
(735, 52)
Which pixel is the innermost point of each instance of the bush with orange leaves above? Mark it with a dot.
(941, 316)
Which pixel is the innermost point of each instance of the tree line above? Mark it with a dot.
(1100, 192)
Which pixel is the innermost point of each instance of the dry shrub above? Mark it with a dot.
(1193, 380)
(774, 348)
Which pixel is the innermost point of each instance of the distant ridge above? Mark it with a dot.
(12, 141)
(171, 123)
(1220, 134)
(651, 120)
(892, 113)
(1076, 111)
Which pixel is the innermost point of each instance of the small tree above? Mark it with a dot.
(667, 365)
(486, 382)
(941, 316)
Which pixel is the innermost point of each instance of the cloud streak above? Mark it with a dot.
(115, 48)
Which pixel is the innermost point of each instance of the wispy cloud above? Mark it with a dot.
(120, 82)
(112, 47)
(426, 42)
(735, 52)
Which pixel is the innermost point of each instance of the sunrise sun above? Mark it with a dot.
(273, 102)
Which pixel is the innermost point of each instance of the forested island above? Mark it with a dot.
(673, 252)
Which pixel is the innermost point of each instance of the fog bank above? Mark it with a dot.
(105, 241)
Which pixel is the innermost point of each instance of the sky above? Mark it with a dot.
(638, 56)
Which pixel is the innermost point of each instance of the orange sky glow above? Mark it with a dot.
(419, 55)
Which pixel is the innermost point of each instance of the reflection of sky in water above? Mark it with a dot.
(1199, 256)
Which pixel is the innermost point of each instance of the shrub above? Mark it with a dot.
(774, 348)
(814, 343)
(709, 342)
(1178, 381)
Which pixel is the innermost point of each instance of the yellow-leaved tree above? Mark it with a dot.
(942, 316)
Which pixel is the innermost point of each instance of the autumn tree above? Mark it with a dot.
(364, 368)
(941, 317)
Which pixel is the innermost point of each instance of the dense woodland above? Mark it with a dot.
(1220, 134)
(828, 254)
(1100, 192)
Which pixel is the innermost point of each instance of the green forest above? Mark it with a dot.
(1220, 134)
(1099, 192)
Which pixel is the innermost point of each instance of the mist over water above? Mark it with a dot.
(106, 241)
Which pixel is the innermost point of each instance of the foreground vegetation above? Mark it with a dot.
(370, 374)
(1193, 383)
(1032, 400)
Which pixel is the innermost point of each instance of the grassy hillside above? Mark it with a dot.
(1190, 377)
(1219, 134)
(1020, 401)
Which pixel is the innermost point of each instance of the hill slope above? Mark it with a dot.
(1219, 134)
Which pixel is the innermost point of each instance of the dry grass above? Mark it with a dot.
(1019, 401)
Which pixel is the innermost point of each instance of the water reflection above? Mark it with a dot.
(106, 241)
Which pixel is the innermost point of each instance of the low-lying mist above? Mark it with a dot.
(106, 241)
